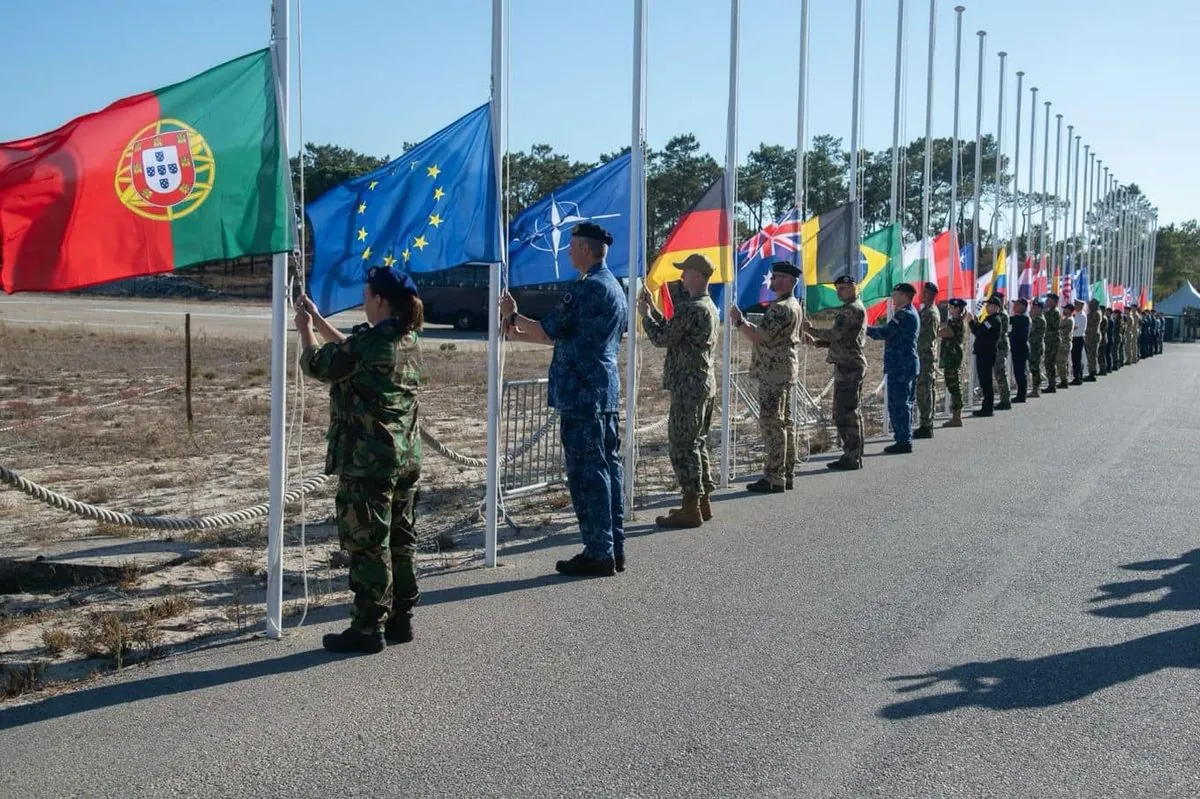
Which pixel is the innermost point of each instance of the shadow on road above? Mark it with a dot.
(1181, 584)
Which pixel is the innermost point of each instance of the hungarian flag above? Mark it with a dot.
(704, 229)
(191, 173)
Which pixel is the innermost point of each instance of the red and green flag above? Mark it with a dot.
(190, 173)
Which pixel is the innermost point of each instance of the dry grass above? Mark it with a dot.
(57, 640)
(211, 557)
(106, 635)
(167, 608)
(22, 679)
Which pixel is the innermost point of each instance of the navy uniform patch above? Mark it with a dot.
(567, 298)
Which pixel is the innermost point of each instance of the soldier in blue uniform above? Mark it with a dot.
(901, 364)
(585, 389)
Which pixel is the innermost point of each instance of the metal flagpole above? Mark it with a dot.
(1045, 187)
(1029, 246)
(802, 108)
(1013, 252)
(995, 226)
(735, 10)
(855, 214)
(894, 206)
(1068, 264)
(955, 150)
(1075, 211)
(277, 454)
(927, 183)
(1054, 234)
(1085, 209)
(976, 254)
(1102, 234)
(637, 239)
(492, 511)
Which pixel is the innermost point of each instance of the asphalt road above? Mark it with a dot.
(1013, 611)
(167, 316)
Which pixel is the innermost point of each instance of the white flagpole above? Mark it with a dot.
(277, 455)
(1102, 233)
(1030, 250)
(1085, 210)
(855, 214)
(1070, 202)
(1042, 237)
(1076, 210)
(1054, 234)
(927, 189)
(637, 238)
(954, 148)
(969, 400)
(894, 204)
(735, 9)
(491, 517)
(802, 108)
(1013, 252)
(999, 166)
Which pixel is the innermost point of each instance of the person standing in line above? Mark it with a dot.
(987, 333)
(1078, 343)
(927, 345)
(1037, 346)
(1053, 323)
(1091, 339)
(953, 334)
(1066, 331)
(1018, 342)
(1001, 367)
(901, 364)
(845, 342)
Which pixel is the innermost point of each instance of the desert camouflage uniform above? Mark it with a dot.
(845, 341)
(690, 337)
(375, 449)
(927, 340)
(775, 364)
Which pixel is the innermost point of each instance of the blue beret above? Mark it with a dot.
(390, 283)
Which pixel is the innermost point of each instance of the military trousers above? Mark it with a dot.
(1092, 346)
(1118, 354)
(1000, 373)
(953, 377)
(1035, 366)
(687, 441)
(985, 369)
(927, 393)
(778, 432)
(1020, 365)
(847, 386)
(377, 528)
(1062, 361)
(1051, 363)
(591, 445)
(900, 390)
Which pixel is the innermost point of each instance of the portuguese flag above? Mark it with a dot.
(191, 173)
(703, 229)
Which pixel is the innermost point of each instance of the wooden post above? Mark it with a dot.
(187, 366)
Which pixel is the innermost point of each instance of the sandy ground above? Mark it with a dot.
(100, 416)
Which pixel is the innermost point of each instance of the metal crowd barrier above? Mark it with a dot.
(524, 415)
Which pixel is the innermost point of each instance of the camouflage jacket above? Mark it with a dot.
(1104, 325)
(1065, 330)
(847, 336)
(1037, 335)
(951, 356)
(1002, 344)
(775, 360)
(1092, 333)
(690, 337)
(1053, 318)
(927, 340)
(373, 377)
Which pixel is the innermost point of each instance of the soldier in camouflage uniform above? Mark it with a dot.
(1091, 338)
(953, 335)
(1053, 322)
(690, 337)
(1066, 329)
(1000, 370)
(776, 365)
(585, 388)
(927, 345)
(1102, 350)
(1117, 339)
(375, 449)
(1037, 346)
(1132, 322)
(845, 342)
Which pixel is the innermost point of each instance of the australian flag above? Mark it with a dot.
(432, 208)
(782, 240)
(540, 235)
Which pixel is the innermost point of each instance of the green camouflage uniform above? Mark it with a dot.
(951, 358)
(1037, 346)
(775, 364)
(1063, 354)
(1000, 370)
(927, 351)
(1091, 339)
(1053, 317)
(1133, 321)
(375, 449)
(845, 341)
(690, 338)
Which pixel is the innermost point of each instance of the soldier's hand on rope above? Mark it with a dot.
(508, 306)
(304, 316)
(644, 301)
(735, 315)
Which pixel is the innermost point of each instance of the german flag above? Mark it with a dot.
(704, 229)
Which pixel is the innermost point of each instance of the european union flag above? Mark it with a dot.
(540, 235)
(1082, 287)
(432, 208)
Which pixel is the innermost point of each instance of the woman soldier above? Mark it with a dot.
(375, 449)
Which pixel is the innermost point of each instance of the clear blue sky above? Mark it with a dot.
(379, 72)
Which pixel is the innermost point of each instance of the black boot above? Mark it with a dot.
(898, 449)
(619, 562)
(353, 641)
(765, 486)
(844, 464)
(583, 565)
(399, 629)
(1004, 406)
(923, 432)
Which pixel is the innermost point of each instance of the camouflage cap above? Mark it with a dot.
(697, 263)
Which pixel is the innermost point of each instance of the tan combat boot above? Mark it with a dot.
(705, 508)
(955, 420)
(688, 516)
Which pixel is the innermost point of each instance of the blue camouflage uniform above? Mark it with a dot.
(585, 389)
(901, 365)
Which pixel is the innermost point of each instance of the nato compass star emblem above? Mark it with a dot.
(547, 234)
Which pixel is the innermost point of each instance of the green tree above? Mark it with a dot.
(535, 174)
(676, 177)
(327, 165)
